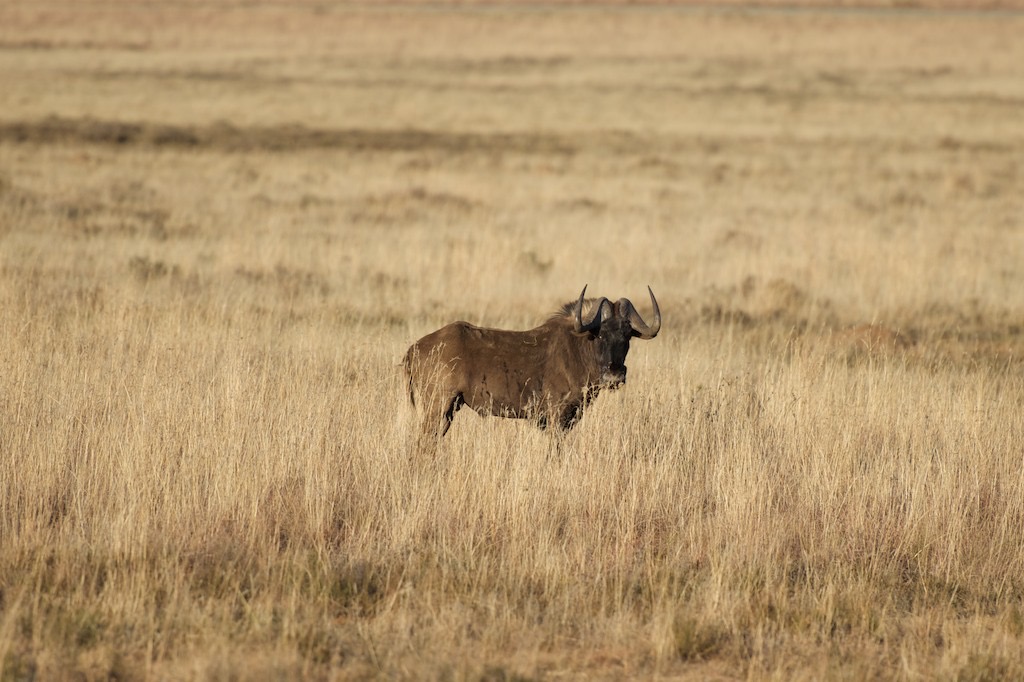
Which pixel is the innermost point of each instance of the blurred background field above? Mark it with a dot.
(222, 224)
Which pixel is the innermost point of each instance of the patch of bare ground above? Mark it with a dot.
(402, 208)
(293, 137)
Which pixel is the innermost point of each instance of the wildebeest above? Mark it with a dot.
(548, 373)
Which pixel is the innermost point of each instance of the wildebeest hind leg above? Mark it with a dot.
(449, 413)
(435, 425)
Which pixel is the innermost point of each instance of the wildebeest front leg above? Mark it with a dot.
(570, 416)
(564, 417)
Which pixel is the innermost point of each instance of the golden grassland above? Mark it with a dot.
(221, 225)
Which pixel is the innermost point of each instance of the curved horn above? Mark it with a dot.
(595, 321)
(641, 328)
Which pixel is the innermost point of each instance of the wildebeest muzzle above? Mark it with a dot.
(613, 377)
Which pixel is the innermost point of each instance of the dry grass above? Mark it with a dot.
(221, 226)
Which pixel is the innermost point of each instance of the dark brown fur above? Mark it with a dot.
(547, 374)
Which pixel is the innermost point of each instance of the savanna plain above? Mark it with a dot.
(222, 224)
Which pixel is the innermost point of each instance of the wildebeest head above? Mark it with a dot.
(612, 326)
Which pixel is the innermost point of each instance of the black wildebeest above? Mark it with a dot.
(548, 374)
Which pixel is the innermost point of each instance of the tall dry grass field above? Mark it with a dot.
(222, 224)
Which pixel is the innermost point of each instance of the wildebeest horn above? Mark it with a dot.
(595, 321)
(642, 329)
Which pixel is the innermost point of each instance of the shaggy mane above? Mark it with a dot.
(566, 310)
